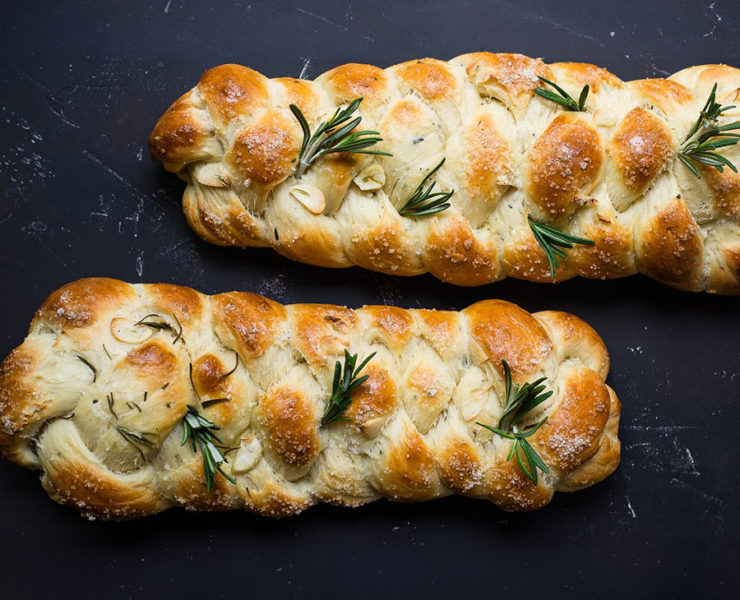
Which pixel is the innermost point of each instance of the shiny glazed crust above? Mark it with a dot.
(609, 173)
(411, 435)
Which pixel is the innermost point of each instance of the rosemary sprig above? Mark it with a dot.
(425, 202)
(196, 427)
(520, 399)
(707, 135)
(552, 241)
(330, 137)
(519, 402)
(522, 449)
(345, 382)
(563, 98)
(161, 325)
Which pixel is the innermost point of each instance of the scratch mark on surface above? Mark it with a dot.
(304, 70)
(659, 428)
(49, 98)
(718, 20)
(719, 503)
(321, 18)
(140, 263)
(136, 216)
(167, 7)
(34, 230)
(659, 70)
(691, 460)
(543, 19)
(139, 194)
(629, 507)
(171, 249)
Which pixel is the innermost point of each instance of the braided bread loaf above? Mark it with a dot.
(87, 383)
(609, 174)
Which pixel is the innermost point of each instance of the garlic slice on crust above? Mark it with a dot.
(310, 196)
(124, 331)
(212, 175)
(371, 178)
(248, 454)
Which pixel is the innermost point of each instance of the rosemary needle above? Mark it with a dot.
(90, 366)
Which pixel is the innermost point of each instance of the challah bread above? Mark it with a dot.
(97, 403)
(609, 174)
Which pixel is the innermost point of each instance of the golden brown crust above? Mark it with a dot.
(232, 91)
(510, 78)
(460, 465)
(457, 256)
(78, 304)
(16, 396)
(291, 426)
(509, 154)
(250, 318)
(485, 163)
(569, 438)
(263, 153)
(611, 255)
(178, 137)
(320, 330)
(409, 470)
(393, 324)
(263, 372)
(670, 246)
(506, 332)
(585, 74)
(375, 399)
(641, 148)
(564, 164)
(725, 188)
(353, 80)
(428, 77)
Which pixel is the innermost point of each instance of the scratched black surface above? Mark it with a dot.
(82, 85)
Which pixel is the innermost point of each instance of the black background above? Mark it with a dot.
(82, 85)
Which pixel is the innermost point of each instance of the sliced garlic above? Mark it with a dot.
(605, 118)
(249, 453)
(472, 405)
(371, 428)
(212, 175)
(124, 331)
(310, 196)
(372, 178)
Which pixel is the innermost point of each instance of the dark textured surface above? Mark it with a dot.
(81, 88)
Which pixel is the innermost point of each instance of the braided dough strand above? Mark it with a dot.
(610, 173)
(87, 378)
